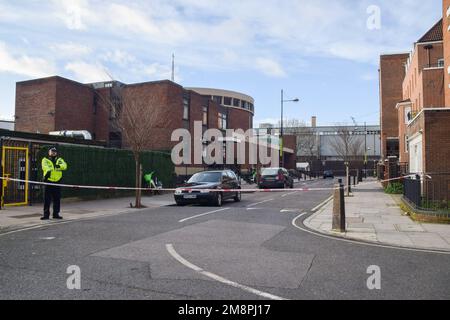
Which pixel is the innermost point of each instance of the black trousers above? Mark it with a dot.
(52, 194)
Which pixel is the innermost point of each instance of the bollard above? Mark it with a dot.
(349, 184)
(354, 180)
(339, 208)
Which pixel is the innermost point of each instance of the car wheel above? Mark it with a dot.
(238, 197)
(219, 200)
(292, 185)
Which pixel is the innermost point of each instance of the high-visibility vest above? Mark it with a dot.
(55, 173)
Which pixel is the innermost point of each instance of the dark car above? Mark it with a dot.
(272, 178)
(198, 189)
(328, 174)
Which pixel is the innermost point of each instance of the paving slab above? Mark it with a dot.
(376, 217)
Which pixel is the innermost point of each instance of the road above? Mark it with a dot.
(247, 250)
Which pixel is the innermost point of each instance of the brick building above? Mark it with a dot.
(58, 104)
(446, 38)
(423, 112)
(392, 74)
(423, 85)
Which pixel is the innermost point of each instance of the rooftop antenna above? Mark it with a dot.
(173, 67)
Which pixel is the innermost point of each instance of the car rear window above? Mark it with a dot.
(270, 171)
(206, 177)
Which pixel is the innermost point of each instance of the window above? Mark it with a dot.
(222, 121)
(236, 102)
(408, 117)
(441, 63)
(185, 108)
(245, 104)
(205, 116)
(217, 99)
(227, 101)
(406, 144)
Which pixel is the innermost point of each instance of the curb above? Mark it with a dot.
(337, 236)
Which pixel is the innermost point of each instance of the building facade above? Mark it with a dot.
(392, 74)
(423, 85)
(58, 104)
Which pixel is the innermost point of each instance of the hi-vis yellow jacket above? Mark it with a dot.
(55, 170)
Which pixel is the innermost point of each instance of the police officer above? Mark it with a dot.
(52, 168)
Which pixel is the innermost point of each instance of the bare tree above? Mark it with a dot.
(346, 143)
(306, 136)
(134, 114)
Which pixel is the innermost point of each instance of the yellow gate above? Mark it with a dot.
(14, 166)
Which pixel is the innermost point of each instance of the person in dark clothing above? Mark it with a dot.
(52, 168)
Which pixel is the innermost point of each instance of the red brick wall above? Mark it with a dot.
(392, 73)
(446, 25)
(166, 106)
(75, 106)
(239, 119)
(437, 141)
(290, 161)
(34, 101)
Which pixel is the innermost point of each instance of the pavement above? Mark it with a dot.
(13, 218)
(254, 249)
(376, 217)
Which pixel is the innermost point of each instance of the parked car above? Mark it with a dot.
(328, 174)
(272, 178)
(193, 191)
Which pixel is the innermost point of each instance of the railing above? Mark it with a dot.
(412, 191)
(436, 192)
(432, 193)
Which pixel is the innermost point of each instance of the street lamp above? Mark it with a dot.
(281, 129)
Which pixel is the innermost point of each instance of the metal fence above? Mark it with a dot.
(412, 191)
(429, 193)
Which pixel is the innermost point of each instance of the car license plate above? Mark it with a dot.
(190, 196)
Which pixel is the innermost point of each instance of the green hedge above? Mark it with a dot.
(108, 167)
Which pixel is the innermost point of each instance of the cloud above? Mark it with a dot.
(119, 57)
(73, 13)
(24, 64)
(71, 49)
(270, 67)
(87, 72)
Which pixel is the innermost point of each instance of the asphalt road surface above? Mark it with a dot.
(247, 250)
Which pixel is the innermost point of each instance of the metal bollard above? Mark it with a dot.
(339, 208)
(349, 184)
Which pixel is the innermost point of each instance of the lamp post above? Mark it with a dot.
(281, 129)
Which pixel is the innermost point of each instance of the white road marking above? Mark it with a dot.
(290, 210)
(316, 233)
(321, 204)
(203, 214)
(288, 194)
(255, 204)
(47, 238)
(215, 277)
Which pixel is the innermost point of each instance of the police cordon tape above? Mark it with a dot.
(187, 189)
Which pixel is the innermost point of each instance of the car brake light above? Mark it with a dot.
(280, 177)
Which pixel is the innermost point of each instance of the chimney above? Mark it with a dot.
(314, 121)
